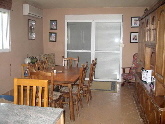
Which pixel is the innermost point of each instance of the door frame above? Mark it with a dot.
(96, 18)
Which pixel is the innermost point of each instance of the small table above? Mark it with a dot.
(23, 114)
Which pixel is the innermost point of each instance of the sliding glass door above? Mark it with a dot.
(91, 39)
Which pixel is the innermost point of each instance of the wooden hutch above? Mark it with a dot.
(151, 49)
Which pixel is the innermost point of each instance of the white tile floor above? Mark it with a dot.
(108, 108)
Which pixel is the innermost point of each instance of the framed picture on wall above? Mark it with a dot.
(31, 28)
(53, 24)
(134, 37)
(52, 36)
(134, 22)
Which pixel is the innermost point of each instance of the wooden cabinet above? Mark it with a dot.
(151, 49)
(151, 107)
(160, 48)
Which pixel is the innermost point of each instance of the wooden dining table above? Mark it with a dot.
(66, 76)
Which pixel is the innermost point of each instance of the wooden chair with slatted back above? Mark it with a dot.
(32, 67)
(28, 91)
(55, 99)
(70, 61)
(88, 83)
(40, 65)
(94, 65)
(85, 69)
(76, 92)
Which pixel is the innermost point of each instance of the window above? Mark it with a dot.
(4, 30)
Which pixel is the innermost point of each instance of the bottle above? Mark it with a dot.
(26, 73)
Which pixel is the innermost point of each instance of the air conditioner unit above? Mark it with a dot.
(32, 11)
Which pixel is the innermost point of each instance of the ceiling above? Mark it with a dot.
(49, 4)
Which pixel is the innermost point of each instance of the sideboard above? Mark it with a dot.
(150, 106)
(151, 51)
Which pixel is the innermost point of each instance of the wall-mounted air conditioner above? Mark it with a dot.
(32, 11)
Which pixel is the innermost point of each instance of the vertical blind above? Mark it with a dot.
(6, 4)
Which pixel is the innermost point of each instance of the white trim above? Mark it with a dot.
(112, 17)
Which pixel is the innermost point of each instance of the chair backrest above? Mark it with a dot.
(32, 67)
(85, 69)
(42, 75)
(91, 72)
(28, 91)
(70, 61)
(94, 62)
(81, 77)
(41, 65)
(134, 64)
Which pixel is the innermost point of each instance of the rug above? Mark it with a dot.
(104, 86)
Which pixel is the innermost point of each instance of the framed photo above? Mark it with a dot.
(53, 24)
(134, 22)
(31, 29)
(134, 37)
(52, 37)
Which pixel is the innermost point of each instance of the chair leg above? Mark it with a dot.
(77, 106)
(90, 94)
(80, 101)
(123, 83)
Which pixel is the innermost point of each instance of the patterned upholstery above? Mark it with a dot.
(56, 95)
(74, 89)
(50, 58)
(130, 76)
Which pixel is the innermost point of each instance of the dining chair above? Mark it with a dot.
(31, 92)
(76, 92)
(55, 98)
(31, 67)
(85, 70)
(70, 61)
(41, 65)
(128, 74)
(94, 65)
(88, 83)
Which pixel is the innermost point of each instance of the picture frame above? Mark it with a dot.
(52, 36)
(31, 29)
(134, 37)
(53, 24)
(134, 22)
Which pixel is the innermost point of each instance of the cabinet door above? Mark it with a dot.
(154, 116)
(141, 43)
(160, 49)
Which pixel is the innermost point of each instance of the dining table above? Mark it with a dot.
(23, 114)
(66, 76)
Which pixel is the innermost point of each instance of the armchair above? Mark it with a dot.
(129, 77)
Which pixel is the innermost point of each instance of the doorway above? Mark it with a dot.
(96, 36)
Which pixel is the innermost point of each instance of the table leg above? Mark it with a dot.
(71, 105)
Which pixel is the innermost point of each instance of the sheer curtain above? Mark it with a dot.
(4, 30)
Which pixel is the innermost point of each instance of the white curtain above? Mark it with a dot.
(4, 30)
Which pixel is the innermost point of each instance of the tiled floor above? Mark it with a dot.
(108, 108)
